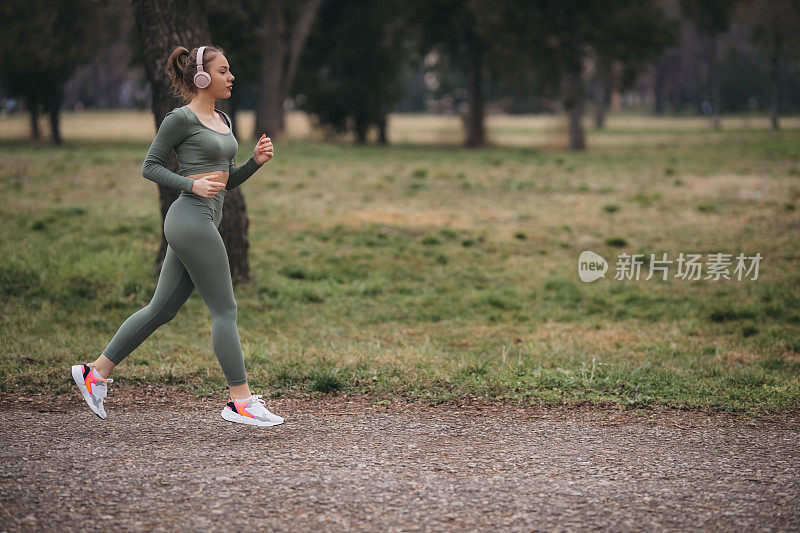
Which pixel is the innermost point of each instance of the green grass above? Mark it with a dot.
(428, 273)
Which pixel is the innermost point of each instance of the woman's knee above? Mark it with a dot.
(229, 311)
(164, 315)
(161, 310)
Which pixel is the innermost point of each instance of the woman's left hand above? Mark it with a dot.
(264, 150)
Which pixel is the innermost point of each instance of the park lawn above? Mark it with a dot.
(430, 272)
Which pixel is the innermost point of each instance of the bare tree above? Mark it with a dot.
(775, 29)
(37, 64)
(712, 19)
(557, 40)
(454, 28)
(280, 47)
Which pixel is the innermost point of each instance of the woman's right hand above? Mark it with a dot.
(206, 186)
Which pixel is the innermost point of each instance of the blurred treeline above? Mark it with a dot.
(350, 63)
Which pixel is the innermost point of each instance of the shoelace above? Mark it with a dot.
(258, 403)
(256, 400)
(103, 389)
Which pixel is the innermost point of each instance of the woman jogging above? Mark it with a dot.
(203, 141)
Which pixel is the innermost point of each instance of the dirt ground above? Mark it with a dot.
(164, 461)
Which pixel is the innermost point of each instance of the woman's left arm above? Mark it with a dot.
(262, 153)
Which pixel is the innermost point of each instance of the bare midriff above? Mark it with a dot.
(219, 175)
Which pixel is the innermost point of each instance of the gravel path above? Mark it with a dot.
(342, 463)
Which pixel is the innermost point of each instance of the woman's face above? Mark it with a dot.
(221, 77)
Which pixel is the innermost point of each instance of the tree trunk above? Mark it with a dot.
(474, 120)
(162, 25)
(658, 90)
(573, 103)
(601, 105)
(33, 110)
(233, 229)
(55, 133)
(52, 98)
(774, 82)
(602, 98)
(362, 127)
(714, 73)
(299, 36)
(269, 101)
(382, 137)
(278, 65)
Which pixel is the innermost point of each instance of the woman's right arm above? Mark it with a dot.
(170, 133)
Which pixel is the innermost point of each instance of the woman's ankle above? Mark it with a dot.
(104, 366)
(239, 392)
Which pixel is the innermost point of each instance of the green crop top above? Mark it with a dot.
(199, 149)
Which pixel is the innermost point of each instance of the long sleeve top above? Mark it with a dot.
(198, 148)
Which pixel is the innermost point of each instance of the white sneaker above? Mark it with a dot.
(92, 388)
(251, 411)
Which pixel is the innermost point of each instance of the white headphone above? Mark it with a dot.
(201, 79)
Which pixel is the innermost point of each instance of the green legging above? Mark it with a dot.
(196, 257)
